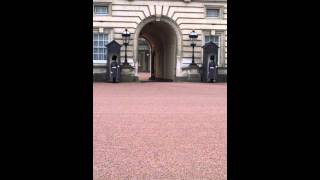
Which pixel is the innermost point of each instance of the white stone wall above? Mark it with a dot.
(187, 14)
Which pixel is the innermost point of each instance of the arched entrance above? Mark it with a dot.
(144, 60)
(164, 38)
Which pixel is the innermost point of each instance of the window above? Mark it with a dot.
(99, 48)
(213, 12)
(214, 39)
(100, 10)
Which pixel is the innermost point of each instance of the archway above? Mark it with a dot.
(164, 38)
(144, 59)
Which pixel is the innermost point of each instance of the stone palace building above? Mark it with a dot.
(159, 44)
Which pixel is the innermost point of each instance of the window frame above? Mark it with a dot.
(102, 4)
(101, 14)
(106, 40)
(219, 38)
(218, 14)
(219, 8)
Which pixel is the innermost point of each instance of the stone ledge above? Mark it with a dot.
(222, 78)
(99, 77)
(128, 78)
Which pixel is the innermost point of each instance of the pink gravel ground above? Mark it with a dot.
(144, 76)
(159, 131)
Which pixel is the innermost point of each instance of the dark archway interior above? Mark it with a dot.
(144, 59)
(163, 41)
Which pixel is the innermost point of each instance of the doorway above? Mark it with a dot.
(144, 60)
(161, 57)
